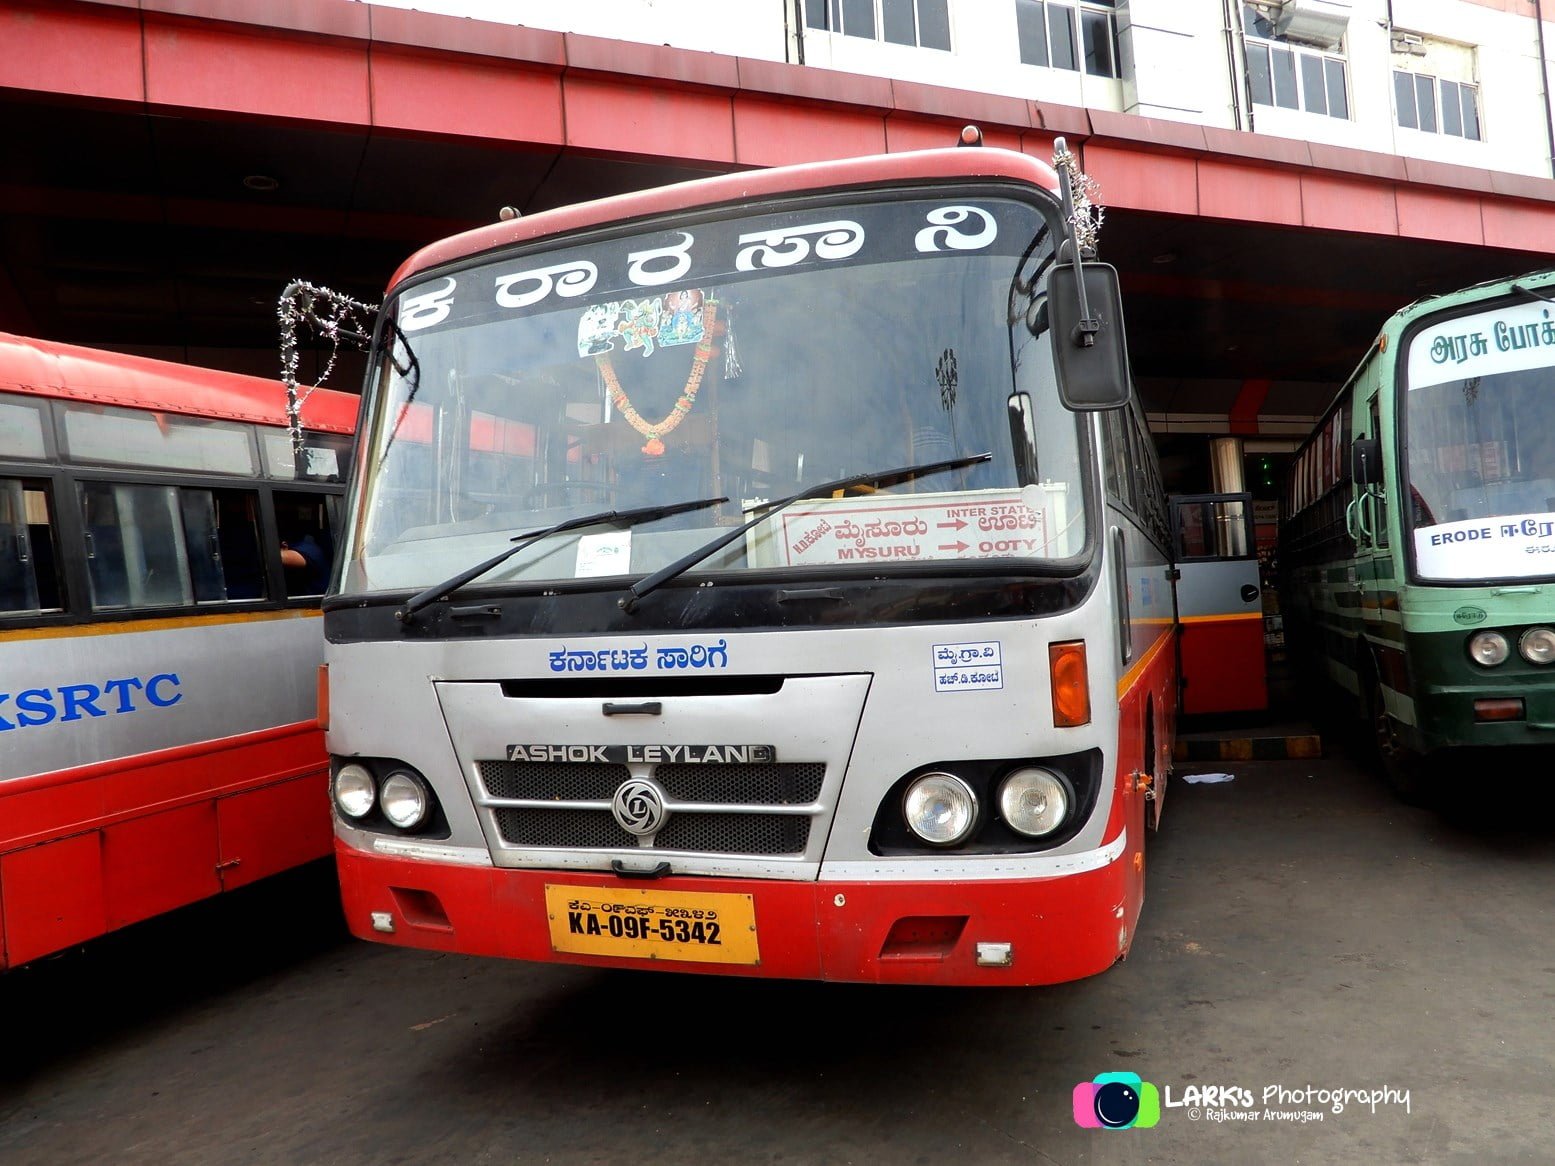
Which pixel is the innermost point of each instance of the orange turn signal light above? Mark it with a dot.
(323, 697)
(1071, 684)
(1505, 709)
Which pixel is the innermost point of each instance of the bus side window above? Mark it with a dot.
(29, 569)
(305, 527)
(237, 536)
(1114, 428)
(205, 559)
(135, 546)
(221, 531)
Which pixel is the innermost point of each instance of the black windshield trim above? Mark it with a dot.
(992, 592)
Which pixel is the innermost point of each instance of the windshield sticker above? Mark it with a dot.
(1512, 546)
(643, 324)
(975, 524)
(968, 667)
(522, 288)
(943, 235)
(787, 246)
(616, 270)
(428, 307)
(604, 554)
(669, 657)
(1509, 339)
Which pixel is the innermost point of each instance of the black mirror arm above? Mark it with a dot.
(1085, 331)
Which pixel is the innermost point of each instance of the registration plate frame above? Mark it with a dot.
(648, 923)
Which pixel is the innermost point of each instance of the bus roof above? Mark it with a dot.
(745, 186)
(46, 369)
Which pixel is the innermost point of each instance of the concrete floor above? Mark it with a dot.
(1300, 929)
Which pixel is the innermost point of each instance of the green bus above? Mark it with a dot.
(1417, 549)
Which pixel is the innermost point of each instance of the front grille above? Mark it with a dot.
(702, 833)
(752, 785)
(594, 828)
(579, 829)
(551, 781)
(735, 833)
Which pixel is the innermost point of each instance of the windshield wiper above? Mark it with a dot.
(1533, 293)
(877, 479)
(447, 587)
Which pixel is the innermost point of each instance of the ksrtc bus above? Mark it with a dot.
(158, 729)
(726, 588)
(1419, 547)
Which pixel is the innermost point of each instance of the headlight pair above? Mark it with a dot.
(1536, 645)
(942, 809)
(403, 796)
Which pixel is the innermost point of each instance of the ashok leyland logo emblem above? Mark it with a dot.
(639, 806)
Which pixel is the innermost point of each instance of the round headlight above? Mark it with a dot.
(940, 808)
(1488, 649)
(405, 799)
(1033, 802)
(355, 792)
(1538, 645)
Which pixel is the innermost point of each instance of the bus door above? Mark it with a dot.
(1371, 586)
(1219, 604)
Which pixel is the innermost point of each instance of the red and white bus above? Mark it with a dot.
(766, 575)
(159, 740)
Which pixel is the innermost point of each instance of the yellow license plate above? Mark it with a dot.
(652, 924)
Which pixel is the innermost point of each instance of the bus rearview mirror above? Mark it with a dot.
(1089, 353)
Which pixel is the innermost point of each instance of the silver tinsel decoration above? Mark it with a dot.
(1088, 213)
(732, 367)
(330, 314)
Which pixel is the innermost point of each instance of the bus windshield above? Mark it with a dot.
(746, 358)
(1480, 409)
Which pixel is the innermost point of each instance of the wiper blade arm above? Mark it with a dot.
(446, 588)
(877, 479)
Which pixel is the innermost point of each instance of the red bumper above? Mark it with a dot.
(1060, 928)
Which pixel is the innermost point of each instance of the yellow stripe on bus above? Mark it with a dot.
(1126, 681)
(122, 627)
(1219, 618)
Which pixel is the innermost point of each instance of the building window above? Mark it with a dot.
(1068, 36)
(1292, 76)
(922, 23)
(1437, 106)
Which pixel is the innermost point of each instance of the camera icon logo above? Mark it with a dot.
(1116, 1101)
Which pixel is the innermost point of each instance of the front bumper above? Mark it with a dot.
(903, 932)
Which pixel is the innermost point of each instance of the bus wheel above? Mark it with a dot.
(1404, 769)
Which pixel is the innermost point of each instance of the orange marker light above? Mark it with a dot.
(323, 697)
(1071, 684)
(1506, 709)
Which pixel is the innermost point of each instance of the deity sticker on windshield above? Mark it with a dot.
(643, 324)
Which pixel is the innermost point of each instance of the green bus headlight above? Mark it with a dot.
(1537, 645)
(1488, 649)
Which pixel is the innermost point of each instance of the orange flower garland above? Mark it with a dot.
(655, 432)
